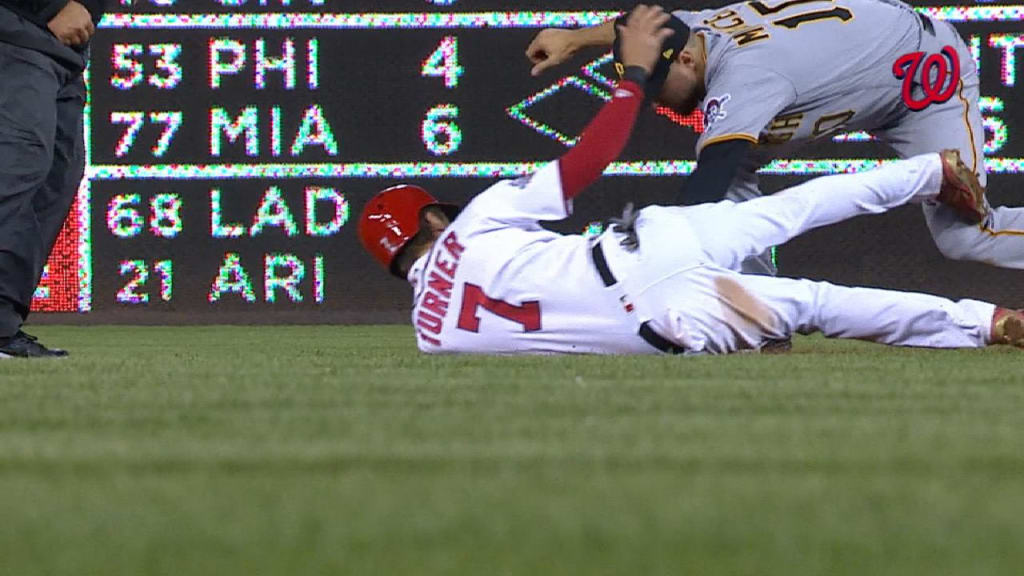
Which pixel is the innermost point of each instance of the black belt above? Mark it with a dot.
(645, 332)
(602, 265)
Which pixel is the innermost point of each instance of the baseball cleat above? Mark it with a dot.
(961, 189)
(777, 346)
(1008, 327)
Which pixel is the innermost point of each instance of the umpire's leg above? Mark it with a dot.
(28, 126)
(53, 201)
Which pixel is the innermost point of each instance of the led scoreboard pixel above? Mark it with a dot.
(232, 143)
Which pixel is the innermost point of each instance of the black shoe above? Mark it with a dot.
(22, 345)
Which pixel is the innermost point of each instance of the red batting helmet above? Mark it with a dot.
(392, 217)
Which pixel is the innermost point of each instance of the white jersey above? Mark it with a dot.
(496, 282)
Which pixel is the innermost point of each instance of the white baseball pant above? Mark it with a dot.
(685, 276)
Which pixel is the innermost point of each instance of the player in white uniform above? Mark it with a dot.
(490, 279)
(772, 75)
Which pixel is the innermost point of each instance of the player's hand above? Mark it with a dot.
(640, 39)
(550, 48)
(72, 25)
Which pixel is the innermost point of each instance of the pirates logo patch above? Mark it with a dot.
(714, 109)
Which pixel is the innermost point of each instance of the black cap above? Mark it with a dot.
(670, 48)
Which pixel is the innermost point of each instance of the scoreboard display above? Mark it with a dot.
(233, 143)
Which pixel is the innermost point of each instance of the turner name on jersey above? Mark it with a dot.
(497, 281)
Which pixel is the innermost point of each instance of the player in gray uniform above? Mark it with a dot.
(773, 75)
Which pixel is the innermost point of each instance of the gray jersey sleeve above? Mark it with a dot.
(741, 101)
(693, 19)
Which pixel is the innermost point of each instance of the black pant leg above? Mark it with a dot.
(28, 118)
(53, 200)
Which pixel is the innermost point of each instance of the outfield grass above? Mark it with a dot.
(331, 450)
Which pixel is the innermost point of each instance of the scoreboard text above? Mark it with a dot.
(232, 143)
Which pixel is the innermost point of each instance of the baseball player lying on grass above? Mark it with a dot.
(490, 279)
(772, 75)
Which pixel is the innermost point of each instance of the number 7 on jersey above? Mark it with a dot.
(527, 314)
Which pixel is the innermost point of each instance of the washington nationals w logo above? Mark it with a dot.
(939, 74)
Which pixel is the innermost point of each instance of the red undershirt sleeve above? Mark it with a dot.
(602, 140)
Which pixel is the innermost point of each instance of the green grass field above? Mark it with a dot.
(340, 450)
